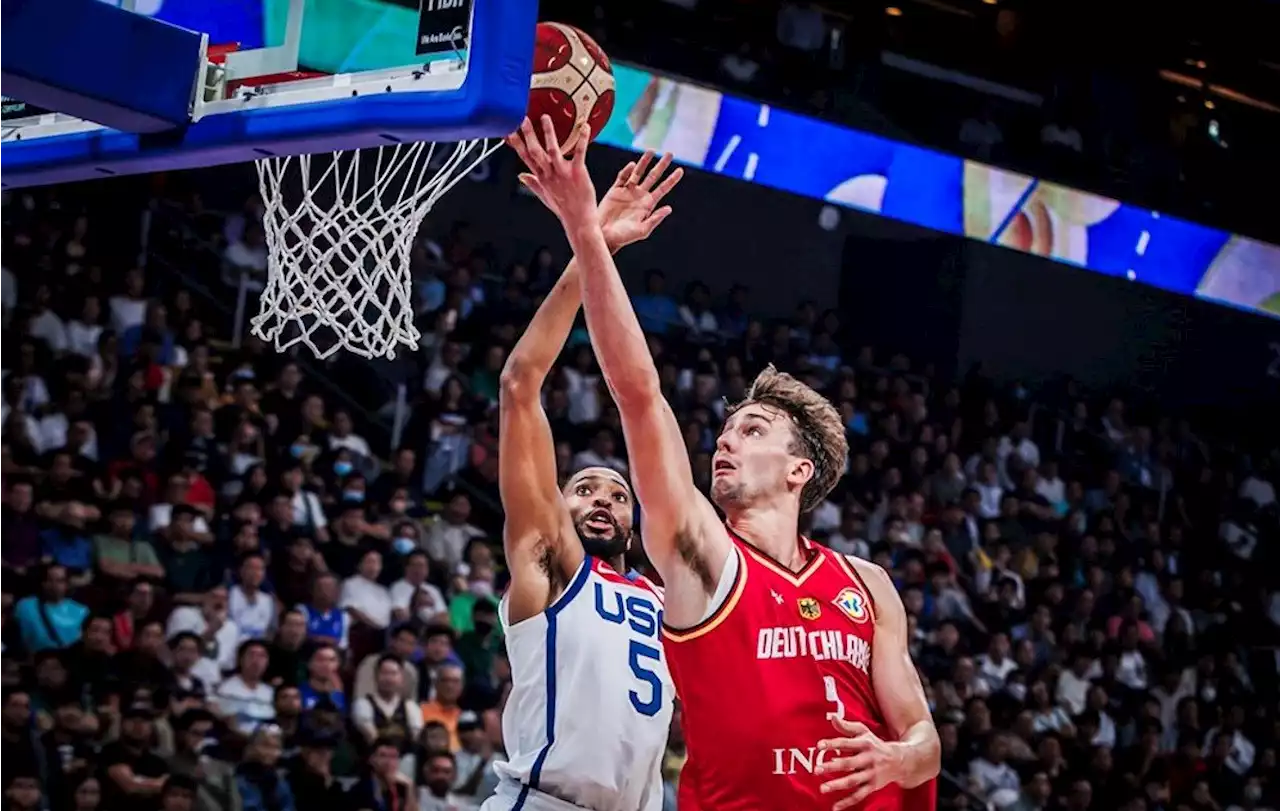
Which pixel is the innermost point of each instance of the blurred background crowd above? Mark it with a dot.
(242, 581)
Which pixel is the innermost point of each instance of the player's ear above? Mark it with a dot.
(801, 472)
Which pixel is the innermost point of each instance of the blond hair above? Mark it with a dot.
(816, 425)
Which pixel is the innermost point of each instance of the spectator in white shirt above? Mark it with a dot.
(84, 330)
(1229, 743)
(1051, 486)
(443, 367)
(1048, 717)
(995, 665)
(1131, 671)
(211, 623)
(161, 515)
(363, 597)
(307, 510)
(1073, 684)
(1257, 489)
(130, 308)
(696, 313)
(250, 608)
(992, 778)
(24, 426)
(244, 699)
(582, 381)
(247, 257)
(385, 709)
(850, 537)
(988, 487)
(449, 534)
(417, 568)
(1018, 441)
(45, 323)
(600, 454)
(341, 436)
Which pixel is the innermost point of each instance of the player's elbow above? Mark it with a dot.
(635, 388)
(519, 382)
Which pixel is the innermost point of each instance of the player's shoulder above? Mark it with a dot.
(605, 571)
(874, 576)
(867, 570)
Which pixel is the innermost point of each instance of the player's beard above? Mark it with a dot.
(725, 493)
(608, 549)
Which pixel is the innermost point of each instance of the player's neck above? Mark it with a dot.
(619, 564)
(774, 530)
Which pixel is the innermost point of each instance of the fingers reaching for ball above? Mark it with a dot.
(558, 180)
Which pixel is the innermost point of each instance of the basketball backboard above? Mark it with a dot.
(283, 77)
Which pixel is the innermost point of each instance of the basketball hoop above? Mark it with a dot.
(340, 229)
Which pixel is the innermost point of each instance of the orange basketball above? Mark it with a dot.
(572, 82)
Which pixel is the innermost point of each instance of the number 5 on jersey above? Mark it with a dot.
(643, 618)
(640, 654)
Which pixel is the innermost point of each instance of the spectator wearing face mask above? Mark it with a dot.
(417, 567)
(477, 649)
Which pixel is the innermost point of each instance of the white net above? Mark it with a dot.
(340, 230)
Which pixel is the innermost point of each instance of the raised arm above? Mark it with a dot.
(681, 530)
(537, 522)
(536, 517)
(910, 754)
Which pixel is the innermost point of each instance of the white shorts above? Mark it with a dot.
(512, 796)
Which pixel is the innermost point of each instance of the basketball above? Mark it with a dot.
(572, 82)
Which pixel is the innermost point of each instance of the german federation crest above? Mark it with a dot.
(809, 608)
(853, 604)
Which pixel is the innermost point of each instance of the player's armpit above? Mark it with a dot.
(897, 682)
(536, 516)
(682, 534)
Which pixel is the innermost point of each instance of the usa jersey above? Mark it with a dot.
(591, 697)
(798, 647)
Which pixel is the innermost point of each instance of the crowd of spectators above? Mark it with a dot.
(219, 595)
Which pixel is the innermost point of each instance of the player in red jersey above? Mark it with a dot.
(820, 705)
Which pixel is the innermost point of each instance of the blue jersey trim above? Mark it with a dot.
(575, 586)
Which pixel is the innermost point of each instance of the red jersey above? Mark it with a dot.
(760, 679)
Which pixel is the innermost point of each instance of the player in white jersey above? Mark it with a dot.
(585, 725)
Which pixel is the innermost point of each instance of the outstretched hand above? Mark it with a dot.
(870, 762)
(629, 212)
(559, 182)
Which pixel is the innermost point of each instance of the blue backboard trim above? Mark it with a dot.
(491, 102)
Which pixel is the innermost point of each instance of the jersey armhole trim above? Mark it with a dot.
(852, 571)
(720, 613)
(559, 603)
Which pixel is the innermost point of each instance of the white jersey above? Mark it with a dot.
(591, 698)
